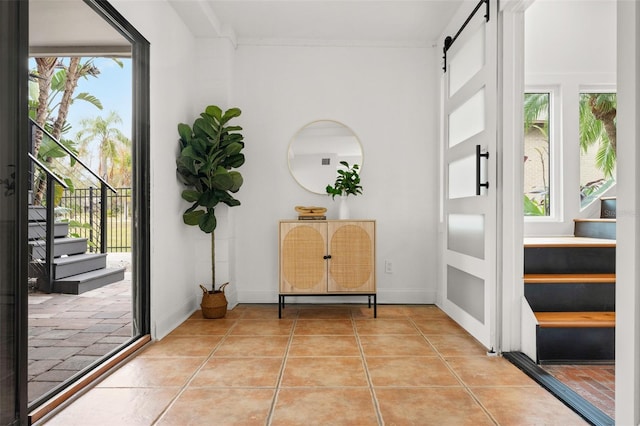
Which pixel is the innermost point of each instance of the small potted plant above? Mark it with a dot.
(347, 183)
(209, 150)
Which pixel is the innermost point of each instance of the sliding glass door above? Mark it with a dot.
(14, 19)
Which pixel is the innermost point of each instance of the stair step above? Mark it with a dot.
(568, 241)
(38, 230)
(78, 264)
(570, 337)
(595, 228)
(608, 207)
(569, 255)
(576, 319)
(569, 278)
(570, 345)
(87, 281)
(61, 247)
(570, 292)
(37, 213)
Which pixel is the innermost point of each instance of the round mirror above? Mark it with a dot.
(316, 151)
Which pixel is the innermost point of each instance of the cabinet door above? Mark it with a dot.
(352, 250)
(303, 268)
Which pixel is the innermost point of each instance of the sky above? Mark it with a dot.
(112, 87)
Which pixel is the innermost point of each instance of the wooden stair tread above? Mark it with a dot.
(597, 220)
(569, 278)
(534, 242)
(576, 319)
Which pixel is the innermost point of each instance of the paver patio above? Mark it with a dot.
(68, 333)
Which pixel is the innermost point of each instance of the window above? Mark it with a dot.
(597, 145)
(537, 144)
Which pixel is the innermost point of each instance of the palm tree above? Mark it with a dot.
(110, 140)
(55, 95)
(598, 126)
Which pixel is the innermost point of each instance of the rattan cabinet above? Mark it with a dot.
(330, 257)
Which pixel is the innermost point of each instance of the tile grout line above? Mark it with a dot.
(372, 390)
(184, 387)
(455, 374)
(276, 390)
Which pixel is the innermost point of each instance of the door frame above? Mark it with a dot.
(14, 31)
(14, 73)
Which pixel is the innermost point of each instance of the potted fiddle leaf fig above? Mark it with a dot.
(209, 151)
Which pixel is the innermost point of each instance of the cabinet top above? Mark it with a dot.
(324, 220)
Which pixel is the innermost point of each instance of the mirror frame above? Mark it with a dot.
(290, 155)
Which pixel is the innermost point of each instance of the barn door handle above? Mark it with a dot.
(479, 184)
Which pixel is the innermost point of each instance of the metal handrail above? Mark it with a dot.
(75, 157)
(52, 179)
(48, 172)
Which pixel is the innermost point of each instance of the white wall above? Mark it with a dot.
(569, 46)
(387, 96)
(183, 82)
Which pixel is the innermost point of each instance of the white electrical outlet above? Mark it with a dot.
(388, 267)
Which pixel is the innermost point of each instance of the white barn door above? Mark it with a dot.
(469, 158)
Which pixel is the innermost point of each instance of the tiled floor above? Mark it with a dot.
(319, 365)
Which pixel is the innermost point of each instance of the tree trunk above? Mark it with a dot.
(73, 73)
(608, 120)
(213, 261)
(45, 67)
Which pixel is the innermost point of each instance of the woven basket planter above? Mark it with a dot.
(214, 303)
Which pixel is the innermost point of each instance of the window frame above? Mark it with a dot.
(556, 189)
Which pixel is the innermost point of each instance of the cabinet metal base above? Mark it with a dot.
(281, 298)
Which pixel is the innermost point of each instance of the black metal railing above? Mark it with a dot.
(45, 177)
(42, 269)
(81, 207)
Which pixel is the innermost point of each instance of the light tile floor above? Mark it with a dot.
(319, 365)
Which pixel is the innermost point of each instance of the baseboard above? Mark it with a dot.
(168, 323)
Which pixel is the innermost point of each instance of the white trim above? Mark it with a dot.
(628, 220)
(510, 257)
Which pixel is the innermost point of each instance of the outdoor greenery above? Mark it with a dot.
(597, 128)
(52, 93)
(114, 147)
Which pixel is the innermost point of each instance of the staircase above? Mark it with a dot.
(569, 284)
(74, 270)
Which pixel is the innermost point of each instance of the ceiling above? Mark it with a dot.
(68, 27)
(360, 22)
(56, 25)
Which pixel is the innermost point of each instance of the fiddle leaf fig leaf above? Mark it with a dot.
(190, 195)
(192, 218)
(185, 132)
(237, 181)
(214, 111)
(233, 148)
(207, 221)
(229, 114)
(208, 199)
